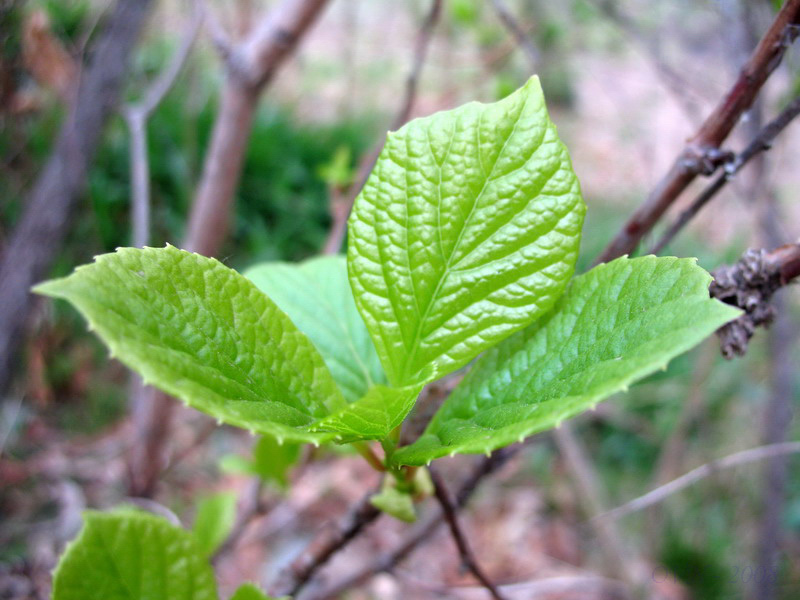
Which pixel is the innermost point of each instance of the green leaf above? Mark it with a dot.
(616, 324)
(214, 521)
(466, 231)
(272, 461)
(374, 416)
(236, 464)
(394, 502)
(132, 555)
(200, 331)
(248, 591)
(317, 297)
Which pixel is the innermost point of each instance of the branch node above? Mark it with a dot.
(749, 284)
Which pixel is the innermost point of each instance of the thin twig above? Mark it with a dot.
(449, 511)
(760, 143)
(250, 66)
(663, 492)
(672, 81)
(136, 116)
(421, 47)
(341, 204)
(517, 32)
(593, 503)
(700, 154)
(422, 532)
(154, 507)
(322, 549)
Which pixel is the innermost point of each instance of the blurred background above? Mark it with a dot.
(627, 82)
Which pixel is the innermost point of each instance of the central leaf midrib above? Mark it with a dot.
(434, 297)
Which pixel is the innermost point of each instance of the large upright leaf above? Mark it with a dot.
(128, 555)
(466, 231)
(616, 324)
(200, 331)
(317, 297)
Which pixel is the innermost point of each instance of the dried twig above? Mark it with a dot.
(673, 81)
(517, 32)
(665, 491)
(760, 143)
(136, 116)
(701, 155)
(750, 284)
(250, 66)
(341, 204)
(467, 556)
(593, 503)
(424, 530)
(51, 203)
(323, 548)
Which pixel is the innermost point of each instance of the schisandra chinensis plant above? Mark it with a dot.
(462, 248)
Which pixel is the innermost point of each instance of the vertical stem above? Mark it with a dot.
(210, 216)
(140, 177)
(460, 539)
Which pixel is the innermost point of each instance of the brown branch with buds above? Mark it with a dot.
(749, 284)
(702, 154)
(761, 143)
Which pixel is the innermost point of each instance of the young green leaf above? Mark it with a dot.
(128, 554)
(200, 331)
(214, 521)
(374, 416)
(272, 461)
(616, 324)
(466, 231)
(248, 591)
(317, 297)
(394, 502)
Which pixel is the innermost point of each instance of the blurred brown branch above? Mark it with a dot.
(516, 30)
(48, 213)
(151, 412)
(250, 65)
(701, 154)
(663, 492)
(342, 203)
